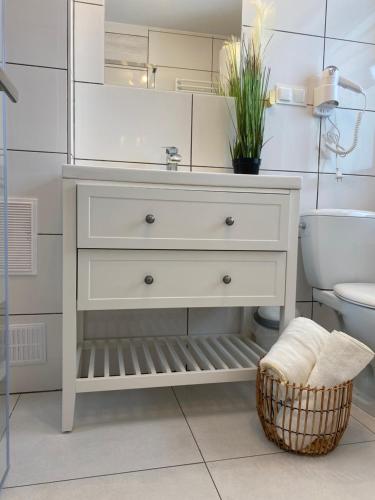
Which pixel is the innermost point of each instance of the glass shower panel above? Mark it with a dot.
(4, 395)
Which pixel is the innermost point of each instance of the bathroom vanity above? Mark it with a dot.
(140, 239)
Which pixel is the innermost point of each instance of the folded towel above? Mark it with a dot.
(293, 356)
(341, 359)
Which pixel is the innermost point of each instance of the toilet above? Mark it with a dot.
(338, 252)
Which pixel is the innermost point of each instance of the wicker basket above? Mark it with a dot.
(303, 420)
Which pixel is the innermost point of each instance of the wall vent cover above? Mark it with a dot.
(27, 344)
(22, 236)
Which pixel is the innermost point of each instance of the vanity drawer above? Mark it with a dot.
(111, 216)
(117, 279)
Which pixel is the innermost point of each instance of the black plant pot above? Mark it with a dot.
(246, 165)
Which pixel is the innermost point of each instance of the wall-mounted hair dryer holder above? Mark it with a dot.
(326, 100)
(326, 95)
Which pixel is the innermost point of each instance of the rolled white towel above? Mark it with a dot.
(292, 358)
(341, 359)
(306, 428)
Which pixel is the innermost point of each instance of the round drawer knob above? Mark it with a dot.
(149, 280)
(150, 219)
(227, 279)
(229, 221)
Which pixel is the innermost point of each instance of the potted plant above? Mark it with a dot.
(247, 82)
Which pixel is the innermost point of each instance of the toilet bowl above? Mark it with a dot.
(338, 252)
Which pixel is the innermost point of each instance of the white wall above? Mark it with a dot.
(36, 42)
(303, 42)
(308, 36)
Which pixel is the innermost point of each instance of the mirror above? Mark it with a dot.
(168, 44)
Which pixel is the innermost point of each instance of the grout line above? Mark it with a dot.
(149, 469)
(123, 34)
(349, 40)
(15, 404)
(286, 31)
(89, 3)
(36, 66)
(37, 151)
(195, 440)
(364, 425)
(39, 392)
(279, 452)
(36, 314)
(191, 131)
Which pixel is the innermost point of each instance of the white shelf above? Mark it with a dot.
(164, 361)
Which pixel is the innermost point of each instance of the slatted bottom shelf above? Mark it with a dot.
(163, 361)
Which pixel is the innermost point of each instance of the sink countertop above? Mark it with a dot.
(121, 174)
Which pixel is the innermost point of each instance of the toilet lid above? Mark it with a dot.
(358, 293)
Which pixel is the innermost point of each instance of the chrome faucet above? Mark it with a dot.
(173, 158)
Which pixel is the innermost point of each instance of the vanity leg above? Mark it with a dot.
(288, 312)
(69, 333)
(68, 407)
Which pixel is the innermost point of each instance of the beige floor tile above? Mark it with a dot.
(345, 474)
(189, 482)
(114, 432)
(224, 420)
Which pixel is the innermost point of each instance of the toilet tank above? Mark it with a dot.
(338, 246)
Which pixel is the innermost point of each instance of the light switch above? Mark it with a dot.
(288, 94)
(284, 94)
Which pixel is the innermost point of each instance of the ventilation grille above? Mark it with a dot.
(22, 236)
(197, 86)
(27, 344)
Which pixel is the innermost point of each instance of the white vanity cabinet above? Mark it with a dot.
(139, 239)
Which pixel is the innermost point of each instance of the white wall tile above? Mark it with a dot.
(355, 192)
(166, 77)
(326, 317)
(293, 139)
(305, 16)
(129, 48)
(180, 51)
(304, 309)
(212, 170)
(134, 323)
(212, 130)
(205, 321)
(38, 122)
(38, 175)
(304, 290)
(45, 376)
(309, 187)
(135, 125)
(88, 43)
(125, 77)
(356, 62)
(126, 29)
(36, 32)
(351, 20)
(216, 47)
(294, 60)
(362, 159)
(40, 294)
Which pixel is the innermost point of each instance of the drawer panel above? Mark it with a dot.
(115, 279)
(115, 217)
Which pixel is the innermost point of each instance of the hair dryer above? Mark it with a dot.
(326, 99)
